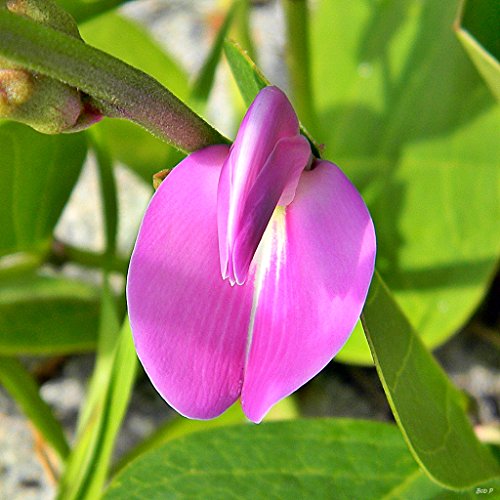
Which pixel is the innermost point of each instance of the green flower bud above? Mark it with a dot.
(45, 104)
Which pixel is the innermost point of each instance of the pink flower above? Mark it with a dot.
(249, 272)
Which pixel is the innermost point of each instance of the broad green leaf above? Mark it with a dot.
(250, 80)
(46, 315)
(424, 402)
(286, 409)
(37, 174)
(126, 141)
(477, 30)
(406, 115)
(341, 459)
(100, 421)
(24, 390)
(481, 19)
(204, 81)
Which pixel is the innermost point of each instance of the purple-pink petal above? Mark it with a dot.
(312, 271)
(269, 120)
(280, 173)
(189, 326)
(249, 273)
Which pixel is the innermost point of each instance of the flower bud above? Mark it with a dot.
(44, 103)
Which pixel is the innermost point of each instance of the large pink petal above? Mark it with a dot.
(269, 119)
(313, 270)
(189, 326)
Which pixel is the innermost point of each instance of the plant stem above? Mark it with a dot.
(297, 36)
(118, 89)
(108, 193)
(63, 253)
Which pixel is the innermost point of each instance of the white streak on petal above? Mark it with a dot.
(272, 247)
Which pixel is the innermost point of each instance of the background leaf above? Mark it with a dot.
(38, 173)
(126, 141)
(24, 390)
(425, 403)
(301, 459)
(84, 9)
(201, 87)
(286, 409)
(250, 81)
(477, 30)
(407, 117)
(481, 19)
(102, 415)
(47, 315)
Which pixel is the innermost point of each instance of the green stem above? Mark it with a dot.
(120, 90)
(297, 32)
(108, 193)
(63, 253)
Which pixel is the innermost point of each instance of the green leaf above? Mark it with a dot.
(136, 48)
(19, 263)
(45, 315)
(248, 76)
(136, 148)
(298, 59)
(243, 30)
(481, 19)
(119, 89)
(202, 86)
(180, 426)
(82, 10)
(477, 30)
(424, 402)
(24, 390)
(126, 141)
(109, 328)
(340, 459)
(250, 80)
(408, 118)
(38, 173)
(101, 418)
